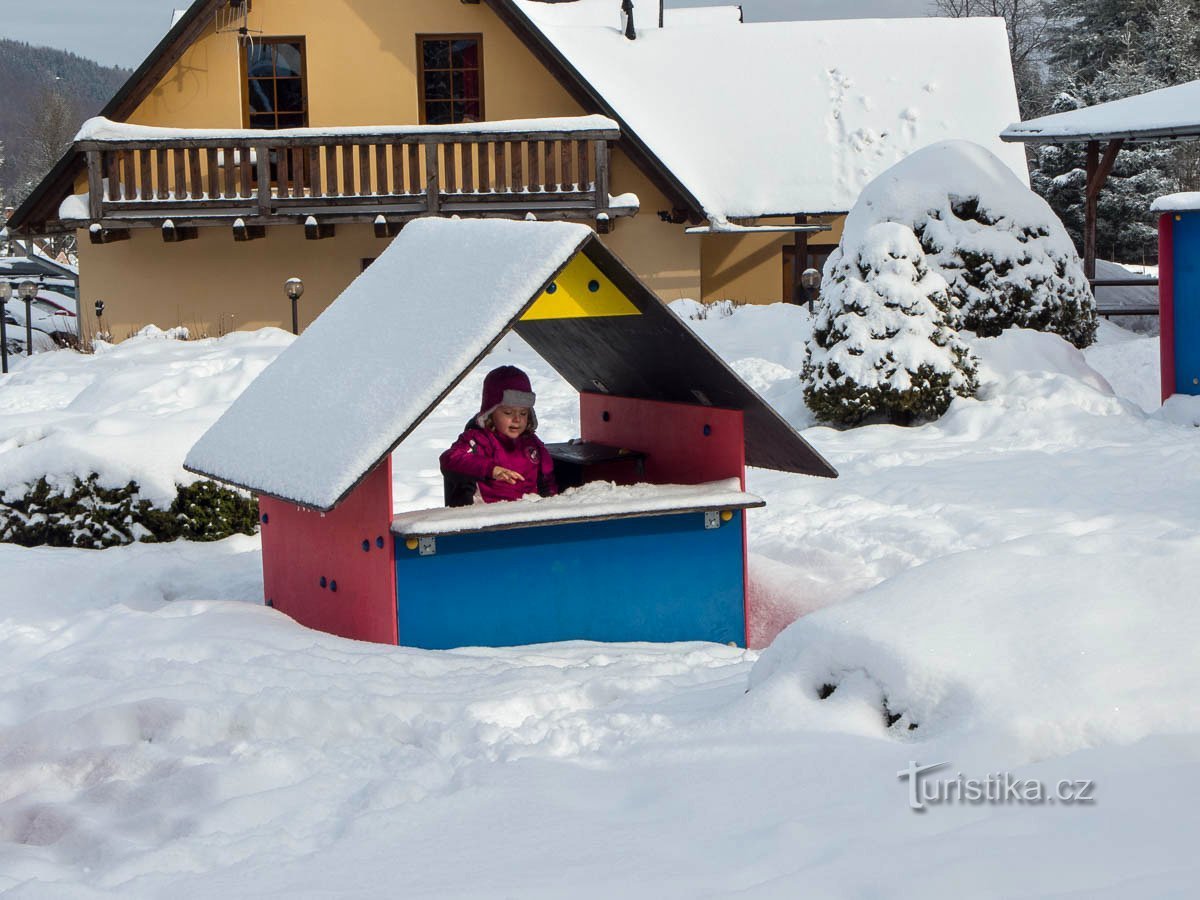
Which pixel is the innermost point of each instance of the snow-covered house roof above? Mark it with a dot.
(1172, 112)
(787, 117)
(383, 355)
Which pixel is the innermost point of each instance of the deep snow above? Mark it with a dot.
(1015, 579)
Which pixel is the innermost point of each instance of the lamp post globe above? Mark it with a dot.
(294, 288)
(810, 280)
(28, 290)
(5, 296)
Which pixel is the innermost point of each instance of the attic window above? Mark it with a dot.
(276, 89)
(450, 78)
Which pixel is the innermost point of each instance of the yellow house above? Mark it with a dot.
(266, 139)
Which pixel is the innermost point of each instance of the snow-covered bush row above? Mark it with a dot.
(884, 341)
(1006, 257)
(84, 514)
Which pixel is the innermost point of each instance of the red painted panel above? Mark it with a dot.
(672, 435)
(1166, 302)
(301, 547)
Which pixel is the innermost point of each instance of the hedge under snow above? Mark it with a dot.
(1006, 258)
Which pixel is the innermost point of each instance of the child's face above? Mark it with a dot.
(510, 421)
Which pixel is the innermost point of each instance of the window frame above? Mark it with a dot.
(477, 37)
(245, 68)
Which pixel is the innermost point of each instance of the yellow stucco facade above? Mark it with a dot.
(361, 70)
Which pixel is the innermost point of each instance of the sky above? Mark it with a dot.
(122, 32)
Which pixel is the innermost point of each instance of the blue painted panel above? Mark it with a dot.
(1187, 303)
(658, 578)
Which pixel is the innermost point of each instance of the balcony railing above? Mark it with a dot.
(139, 176)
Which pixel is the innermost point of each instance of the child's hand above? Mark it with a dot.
(508, 476)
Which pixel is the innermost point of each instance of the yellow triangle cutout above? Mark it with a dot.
(580, 292)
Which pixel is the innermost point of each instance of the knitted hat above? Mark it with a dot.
(506, 386)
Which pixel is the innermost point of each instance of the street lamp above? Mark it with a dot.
(810, 280)
(5, 296)
(28, 290)
(294, 288)
(99, 306)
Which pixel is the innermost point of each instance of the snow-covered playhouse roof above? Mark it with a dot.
(787, 117)
(1172, 112)
(416, 322)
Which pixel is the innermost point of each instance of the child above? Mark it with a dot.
(498, 449)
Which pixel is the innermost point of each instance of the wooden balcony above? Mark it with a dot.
(247, 180)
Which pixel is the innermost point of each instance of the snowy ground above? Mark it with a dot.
(1016, 580)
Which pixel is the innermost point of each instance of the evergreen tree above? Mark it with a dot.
(884, 345)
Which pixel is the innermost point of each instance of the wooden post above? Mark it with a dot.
(799, 258)
(263, 161)
(1097, 174)
(95, 186)
(601, 200)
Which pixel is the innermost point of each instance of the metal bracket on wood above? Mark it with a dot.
(712, 519)
(427, 546)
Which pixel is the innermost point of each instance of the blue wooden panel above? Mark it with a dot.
(658, 578)
(1187, 303)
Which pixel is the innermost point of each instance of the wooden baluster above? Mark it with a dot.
(160, 173)
(518, 175)
(565, 181)
(128, 163)
(179, 181)
(316, 179)
(498, 154)
(549, 178)
(214, 174)
(329, 153)
(381, 169)
(298, 179)
(146, 176)
(433, 194)
(196, 188)
(230, 172)
(397, 169)
(348, 186)
(468, 167)
(581, 172)
(537, 177)
(450, 167)
(414, 169)
(364, 169)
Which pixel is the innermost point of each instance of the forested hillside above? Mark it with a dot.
(44, 95)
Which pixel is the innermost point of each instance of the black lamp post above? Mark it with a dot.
(810, 280)
(5, 296)
(294, 288)
(28, 290)
(99, 317)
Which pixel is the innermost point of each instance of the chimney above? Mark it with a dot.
(627, 19)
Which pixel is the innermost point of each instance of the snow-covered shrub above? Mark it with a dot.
(82, 513)
(1007, 259)
(884, 344)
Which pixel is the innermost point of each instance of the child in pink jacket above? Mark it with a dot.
(498, 449)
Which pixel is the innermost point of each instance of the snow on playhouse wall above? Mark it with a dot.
(1003, 252)
(785, 117)
(403, 332)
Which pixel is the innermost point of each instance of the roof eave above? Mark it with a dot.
(1182, 132)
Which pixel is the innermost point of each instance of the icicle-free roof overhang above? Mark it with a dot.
(399, 339)
(1171, 113)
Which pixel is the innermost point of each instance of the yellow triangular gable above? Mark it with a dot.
(580, 292)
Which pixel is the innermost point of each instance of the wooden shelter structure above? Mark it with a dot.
(1169, 114)
(652, 551)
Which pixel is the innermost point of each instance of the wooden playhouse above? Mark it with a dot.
(651, 544)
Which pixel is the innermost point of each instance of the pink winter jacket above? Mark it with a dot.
(477, 451)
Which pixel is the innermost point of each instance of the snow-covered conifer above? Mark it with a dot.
(884, 344)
